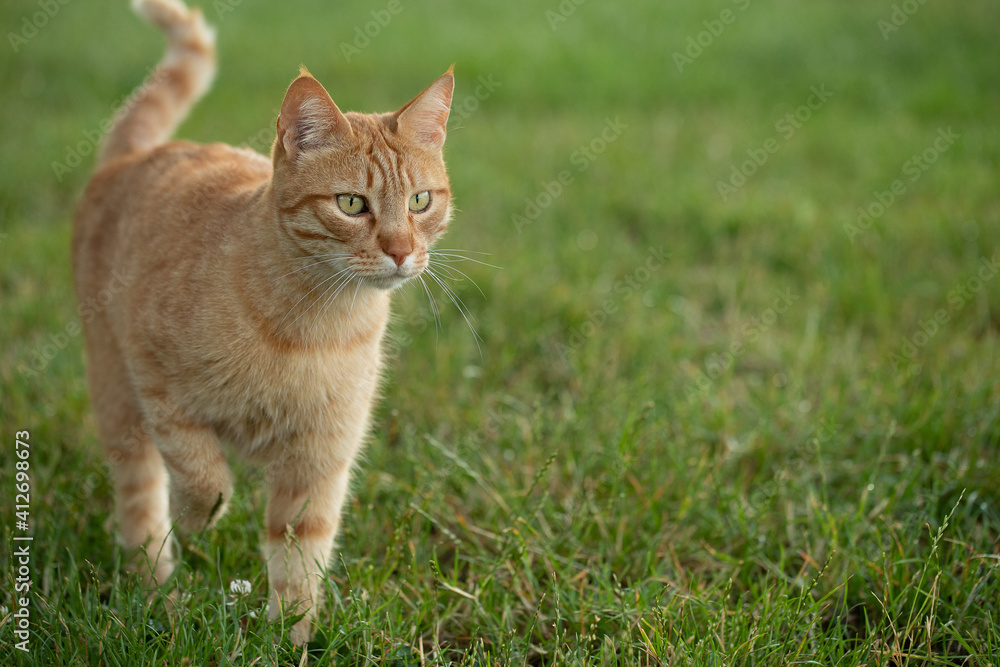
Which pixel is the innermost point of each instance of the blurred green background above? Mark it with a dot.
(708, 424)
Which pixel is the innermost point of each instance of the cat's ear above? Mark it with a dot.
(309, 119)
(424, 119)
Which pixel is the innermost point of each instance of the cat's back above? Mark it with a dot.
(175, 180)
(157, 200)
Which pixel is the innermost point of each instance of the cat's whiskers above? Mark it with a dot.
(454, 255)
(350, 312)
(440, 266)
(462, 308)
(323, 259)
(296, 304)
(434, 307)
(451, 272)
(336, 289)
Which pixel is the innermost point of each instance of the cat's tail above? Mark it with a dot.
(158, 106)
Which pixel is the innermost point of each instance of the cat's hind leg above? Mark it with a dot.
(137, 469)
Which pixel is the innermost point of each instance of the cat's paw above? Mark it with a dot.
(153, 566)
(194, 514)
(301, 631)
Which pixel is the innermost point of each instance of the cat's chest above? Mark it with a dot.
(280, 396)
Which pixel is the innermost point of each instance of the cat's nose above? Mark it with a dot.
(397, 247)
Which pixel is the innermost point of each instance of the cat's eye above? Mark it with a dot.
(352, 204)
(420, 201)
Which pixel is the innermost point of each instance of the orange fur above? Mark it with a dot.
(255, 305)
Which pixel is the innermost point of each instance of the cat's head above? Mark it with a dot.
(366, 193)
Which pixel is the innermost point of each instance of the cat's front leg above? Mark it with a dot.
(303, 514)
(200, 481)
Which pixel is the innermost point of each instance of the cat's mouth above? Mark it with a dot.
(387, 275)
(389, 280)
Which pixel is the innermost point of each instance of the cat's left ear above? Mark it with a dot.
(424, 119)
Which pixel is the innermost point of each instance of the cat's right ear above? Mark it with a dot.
(309, 119)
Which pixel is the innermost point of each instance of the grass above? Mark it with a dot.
(648, 463)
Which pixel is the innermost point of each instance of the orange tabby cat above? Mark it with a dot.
(257, 299)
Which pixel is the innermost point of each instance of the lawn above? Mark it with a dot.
(737, 395)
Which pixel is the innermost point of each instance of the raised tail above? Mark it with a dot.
(158, 106)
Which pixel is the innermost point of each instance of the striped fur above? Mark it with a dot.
(248, 308)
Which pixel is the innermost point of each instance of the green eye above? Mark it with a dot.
(420, 201)
(352, 204)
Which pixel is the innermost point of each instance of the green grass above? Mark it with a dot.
(657, 473)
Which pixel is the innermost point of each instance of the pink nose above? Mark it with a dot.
(398, 248)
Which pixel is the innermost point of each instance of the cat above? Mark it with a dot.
(252, 297)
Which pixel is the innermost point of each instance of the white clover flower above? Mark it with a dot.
(240, 587)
